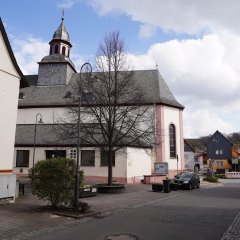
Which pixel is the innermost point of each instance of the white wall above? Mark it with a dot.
(189, 160)
(9, 85)
(118, 171)
(49, 115)
(171, 116)
(138, 163)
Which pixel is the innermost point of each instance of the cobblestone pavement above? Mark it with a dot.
(24, 219)
(233, 232)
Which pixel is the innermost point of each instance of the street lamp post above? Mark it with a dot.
(77, 178)
(35, 134)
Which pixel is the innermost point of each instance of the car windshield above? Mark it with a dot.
(185, 175)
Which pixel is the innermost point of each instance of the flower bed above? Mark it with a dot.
(87, 191)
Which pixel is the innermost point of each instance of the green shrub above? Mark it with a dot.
(220, 176)
(211, 179)
(54, 180)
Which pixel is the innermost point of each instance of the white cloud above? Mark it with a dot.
(66, 4)
(185, 16)
(28, 52)
(147, 30)
(203, 122)
(204, 75)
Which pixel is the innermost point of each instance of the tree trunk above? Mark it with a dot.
(110, 157)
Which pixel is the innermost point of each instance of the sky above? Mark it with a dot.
(194, 43)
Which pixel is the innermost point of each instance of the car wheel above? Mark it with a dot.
(190, 186)
(198, 185)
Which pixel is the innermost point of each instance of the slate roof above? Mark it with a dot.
(198, 144)
(150, 81)
(61, 33)
(54, 135)
(217, 133)
(23, 82)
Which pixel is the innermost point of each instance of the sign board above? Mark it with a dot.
(161, 168)
(234, 161)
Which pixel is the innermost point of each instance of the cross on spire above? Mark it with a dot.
(62, 14)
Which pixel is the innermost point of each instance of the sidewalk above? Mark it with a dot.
(24, 218)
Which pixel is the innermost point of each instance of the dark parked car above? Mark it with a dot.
(187, 180)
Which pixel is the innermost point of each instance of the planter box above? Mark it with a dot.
(87, 191)
(115, 188)
(157, 187)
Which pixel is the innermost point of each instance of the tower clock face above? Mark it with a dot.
(54, 73)
(52, 70)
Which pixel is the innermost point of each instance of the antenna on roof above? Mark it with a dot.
(156, 65)
(62, 14)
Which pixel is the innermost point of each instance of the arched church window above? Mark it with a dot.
(63, 50)
(172, 138)
(56, 49)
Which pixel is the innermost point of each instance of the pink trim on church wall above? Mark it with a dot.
(160, 149)
(181, 138)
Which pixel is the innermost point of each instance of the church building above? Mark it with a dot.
(46, 102)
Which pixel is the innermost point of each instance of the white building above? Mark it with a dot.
(48, 95)
(189, 156)
(11, 78)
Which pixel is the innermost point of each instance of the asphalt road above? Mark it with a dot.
(203, 214)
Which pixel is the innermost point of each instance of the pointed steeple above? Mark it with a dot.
(61, 33)
(60, 43)
(57, 68)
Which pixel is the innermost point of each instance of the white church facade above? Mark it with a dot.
(46, 99)
(11, 79)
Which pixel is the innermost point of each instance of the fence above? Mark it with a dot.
(232, 174)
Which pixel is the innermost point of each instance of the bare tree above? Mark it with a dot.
(114, 113)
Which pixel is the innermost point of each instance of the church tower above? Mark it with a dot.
(57, 68)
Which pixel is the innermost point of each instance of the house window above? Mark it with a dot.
(55, 154)
(172, 138)
(205, 162)
(220, 164)
(104, 158)
(196, 159)
(88, 158)
(221, 151)
(22, 159)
